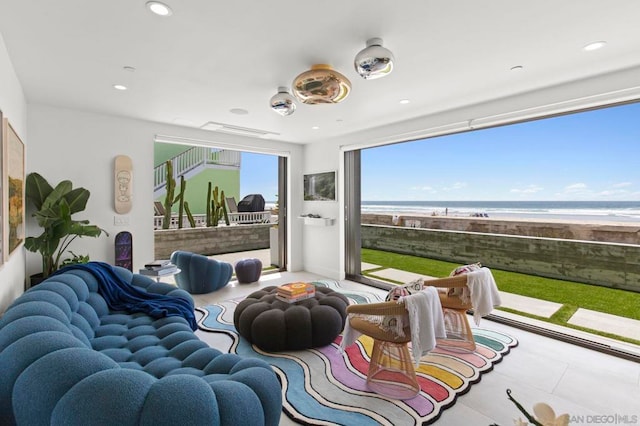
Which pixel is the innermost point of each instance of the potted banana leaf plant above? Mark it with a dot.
(54, 208)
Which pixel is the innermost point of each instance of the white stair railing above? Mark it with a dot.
(192, 158)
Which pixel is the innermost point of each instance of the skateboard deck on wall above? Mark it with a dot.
(123, 184)
(124, 250)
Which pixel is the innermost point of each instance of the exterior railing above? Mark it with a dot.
(192, 158)
(201, 219)
(250, 217)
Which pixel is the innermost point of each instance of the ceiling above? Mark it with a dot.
(210, 57)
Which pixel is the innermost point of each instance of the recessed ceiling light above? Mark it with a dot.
(594, 46)
(159, 9)
(315, 128)
(405, 101)
(119, 87)
(517, 68)
(239, 111)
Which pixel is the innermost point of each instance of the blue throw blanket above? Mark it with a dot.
(122, 296)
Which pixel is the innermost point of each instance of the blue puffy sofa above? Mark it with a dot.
(67, 359)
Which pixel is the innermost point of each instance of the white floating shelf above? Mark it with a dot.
(318, 221)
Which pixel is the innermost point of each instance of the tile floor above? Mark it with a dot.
(583, 383)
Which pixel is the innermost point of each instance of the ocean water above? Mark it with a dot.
(590, 211)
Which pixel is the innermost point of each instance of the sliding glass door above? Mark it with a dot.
(550, 205)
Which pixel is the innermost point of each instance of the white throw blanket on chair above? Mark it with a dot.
(483, 293)
(349, 336)
(426, 321)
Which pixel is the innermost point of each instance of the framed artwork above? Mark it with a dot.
(2, 196)
(320, 186)
(13, 189)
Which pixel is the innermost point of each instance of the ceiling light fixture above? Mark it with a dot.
(321, 85)
(282, 102)
(594, 46)
(158, 8)
(405, 101)
(119, 87)
(374, 61)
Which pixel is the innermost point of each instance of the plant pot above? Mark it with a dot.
(35, 279)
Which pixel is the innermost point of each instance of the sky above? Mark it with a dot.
(259, 175)
(588, 156)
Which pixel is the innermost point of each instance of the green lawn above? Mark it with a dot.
(570, 294)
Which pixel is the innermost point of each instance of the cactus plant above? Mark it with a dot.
(168, 199)
(215, 218)
(180, 200)
(209, 204)
(192, 221)
(216, 207)
(224, 208)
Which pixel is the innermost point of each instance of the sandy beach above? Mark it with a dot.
(547, 218)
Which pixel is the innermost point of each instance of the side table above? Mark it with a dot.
(150, 274)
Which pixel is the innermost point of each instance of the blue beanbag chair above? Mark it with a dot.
(200, 274)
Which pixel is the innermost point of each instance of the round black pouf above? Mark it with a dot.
(274, 325)
(248, 270)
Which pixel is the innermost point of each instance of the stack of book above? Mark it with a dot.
(295, 292)
(158, 268)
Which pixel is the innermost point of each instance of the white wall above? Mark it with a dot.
(14, 107)
(81, 146)
(323, 251)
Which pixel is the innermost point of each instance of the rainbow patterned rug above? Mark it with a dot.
(323, 386)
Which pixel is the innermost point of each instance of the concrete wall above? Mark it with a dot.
(607, 264)
(628, 234)
(213, 240)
